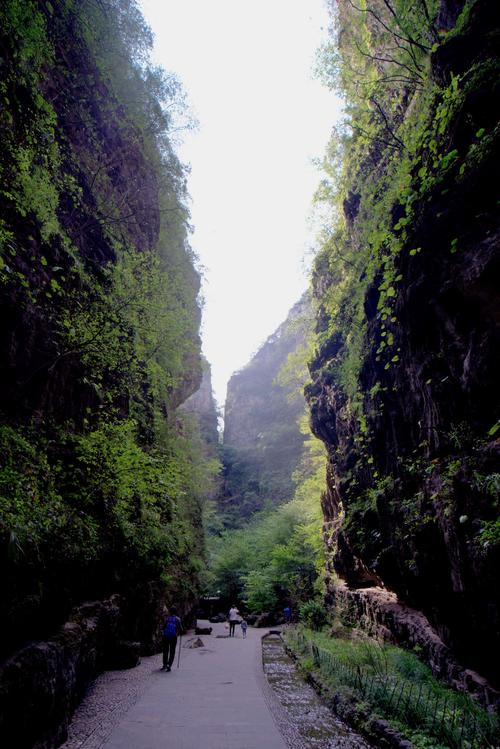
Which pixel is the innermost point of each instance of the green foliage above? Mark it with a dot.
(392, 157)
(102, 481)
(314, 615)
(385, 165)
(137, 326)
(278, 557)
(31, 508)
(393, 683)
(490, 534)
(101, 490)
(261, 591)
(268, 562)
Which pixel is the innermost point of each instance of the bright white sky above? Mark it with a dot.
(247, 69)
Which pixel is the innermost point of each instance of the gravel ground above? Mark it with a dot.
(107, 700)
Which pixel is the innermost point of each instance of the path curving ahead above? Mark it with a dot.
(218, 699)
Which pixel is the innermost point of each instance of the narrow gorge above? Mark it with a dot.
(352, 479)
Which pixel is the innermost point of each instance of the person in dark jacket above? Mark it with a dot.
(172, 627)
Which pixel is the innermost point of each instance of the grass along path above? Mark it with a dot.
(395, 685)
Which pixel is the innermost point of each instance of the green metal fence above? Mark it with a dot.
(459, 726)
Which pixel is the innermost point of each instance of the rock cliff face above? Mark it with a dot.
(203, 407)
(262, 440)
(412, 501)
(99, 345)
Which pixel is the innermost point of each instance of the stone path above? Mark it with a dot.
(218, 699)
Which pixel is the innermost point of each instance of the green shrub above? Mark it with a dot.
(314, 615)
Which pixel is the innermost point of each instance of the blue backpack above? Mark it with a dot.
(170, 628)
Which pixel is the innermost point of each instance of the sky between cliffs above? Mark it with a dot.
(247, 69)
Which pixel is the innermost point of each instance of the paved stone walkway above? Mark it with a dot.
(217, 699)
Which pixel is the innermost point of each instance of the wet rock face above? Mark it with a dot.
(448, 13)
(409, 498)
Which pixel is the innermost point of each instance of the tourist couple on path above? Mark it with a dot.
(234, 619)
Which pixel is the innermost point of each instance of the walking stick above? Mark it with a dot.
(179, 653)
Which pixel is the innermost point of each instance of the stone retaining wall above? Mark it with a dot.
(42, 683)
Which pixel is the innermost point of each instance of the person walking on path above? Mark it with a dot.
(244, 626)
(171, 628)
(233, 619)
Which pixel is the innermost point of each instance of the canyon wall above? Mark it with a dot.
(201, 404)
(99, 345)
(405, 379)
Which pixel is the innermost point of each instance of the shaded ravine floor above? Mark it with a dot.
(218, 699)
(314, 722)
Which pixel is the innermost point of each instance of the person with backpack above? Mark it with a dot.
(171, 628)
